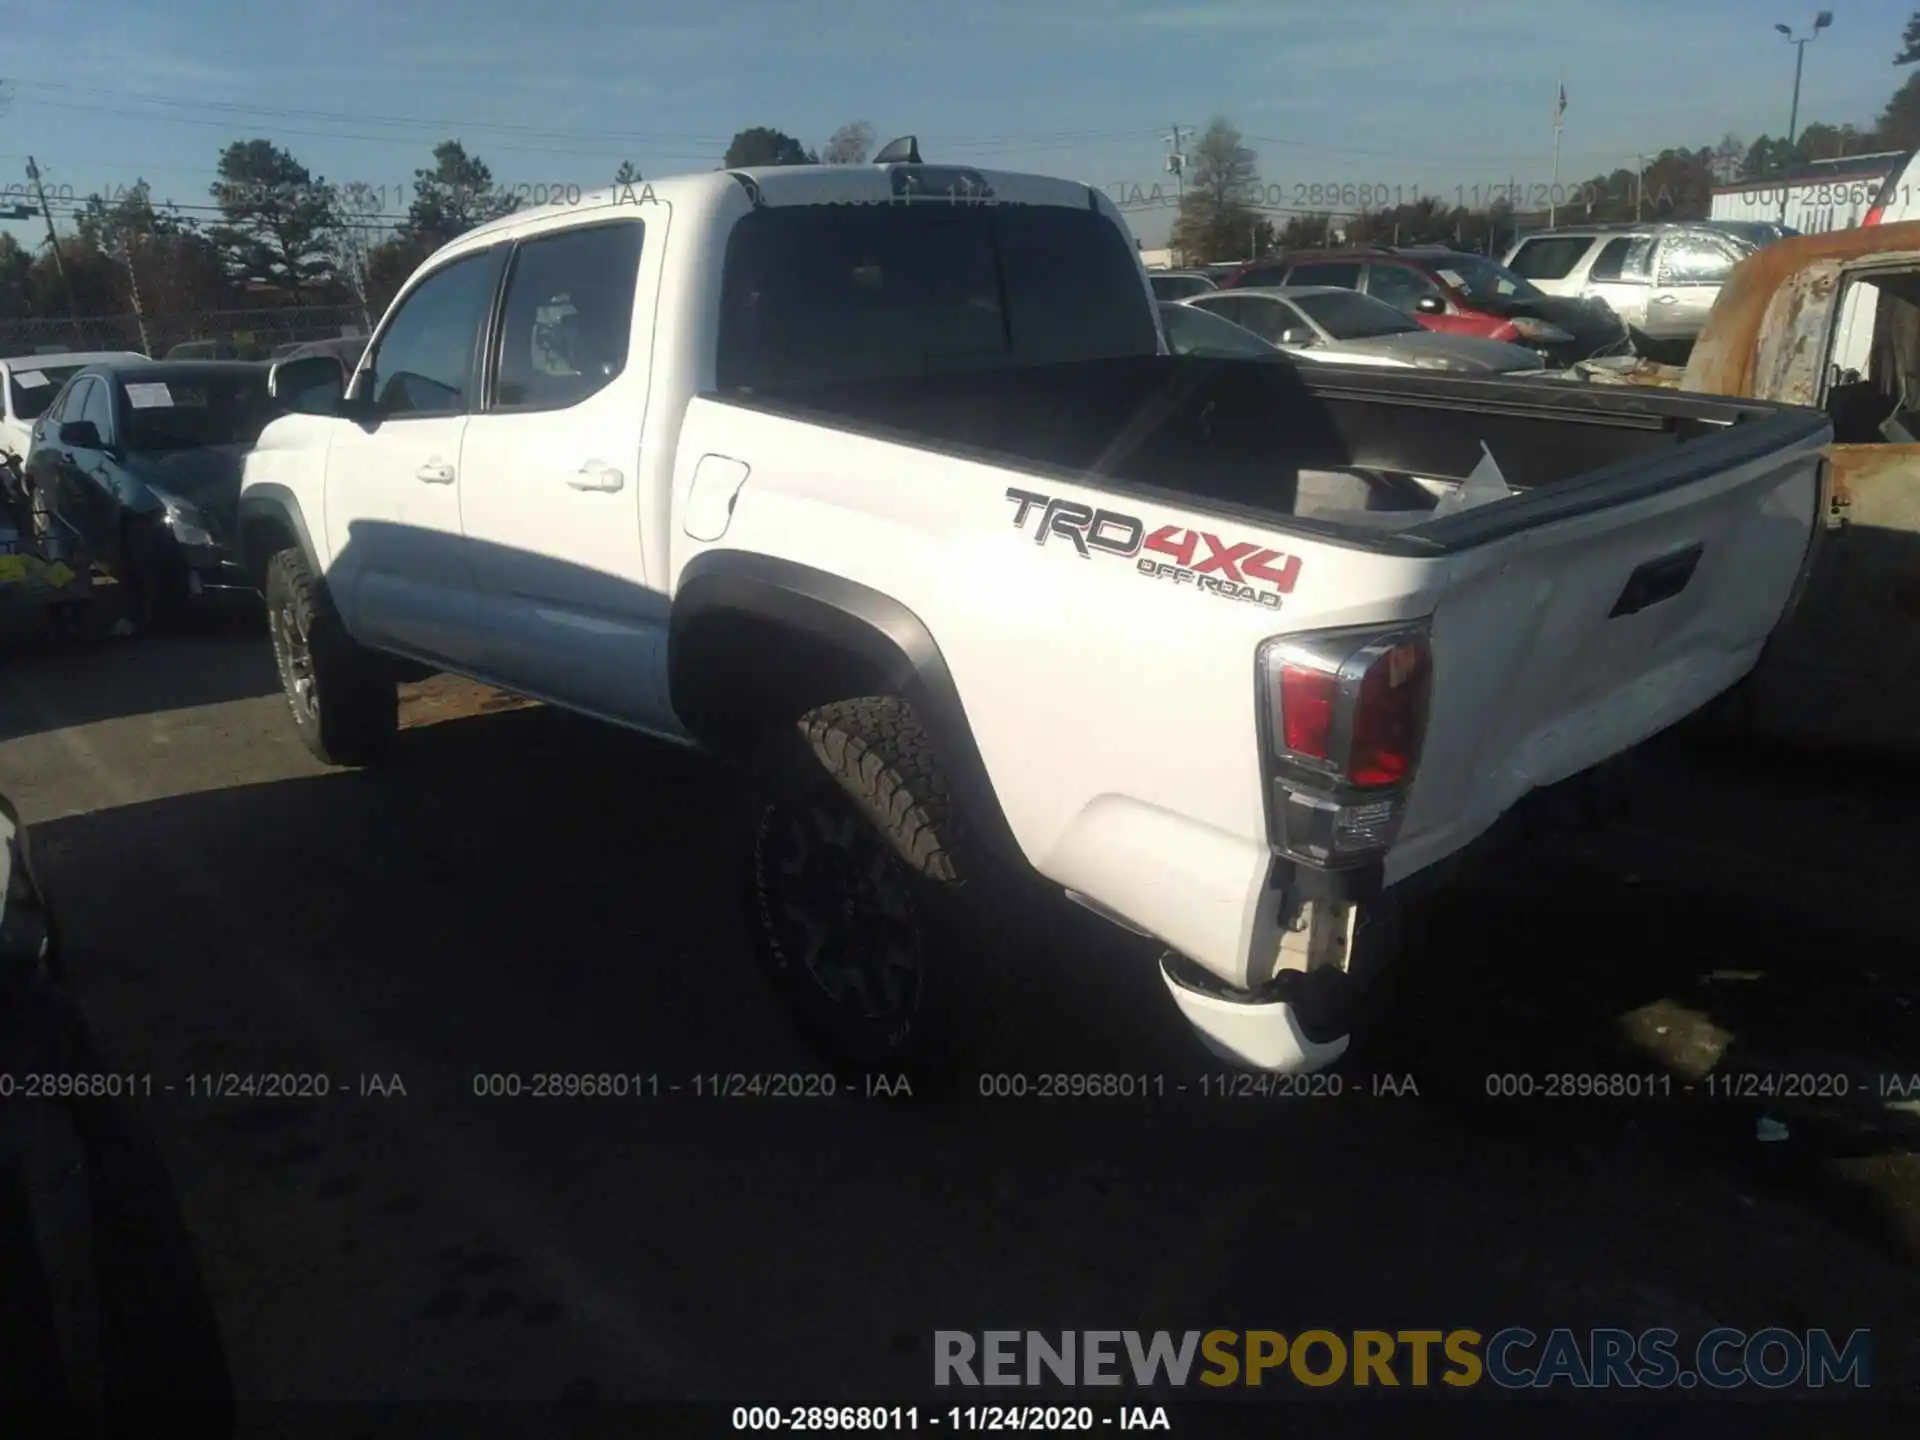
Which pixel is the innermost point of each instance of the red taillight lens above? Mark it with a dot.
(1389, 716)
(1306, 709)
(1352, 704)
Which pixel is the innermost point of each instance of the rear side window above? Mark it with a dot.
(1344, 273)
(1550, 257)
(820, 293)
(569, 315)
(1610, 263)
(1697, 260)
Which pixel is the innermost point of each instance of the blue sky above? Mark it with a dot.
(1381, 92)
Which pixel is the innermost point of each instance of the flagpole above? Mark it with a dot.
(1559, 111)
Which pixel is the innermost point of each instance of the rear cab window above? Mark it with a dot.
(819, 293)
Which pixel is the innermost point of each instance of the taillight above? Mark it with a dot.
(1875, 215)
(1346, 716)
(1390, 716)
(1306, 710)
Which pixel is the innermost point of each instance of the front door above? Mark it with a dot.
(1846, 669)
(1622, 277)
(553, 485)
(1689, 270)
(401, 573)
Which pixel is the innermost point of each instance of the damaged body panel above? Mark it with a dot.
(1833, 321)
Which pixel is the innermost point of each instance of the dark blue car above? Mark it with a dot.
(140, 460)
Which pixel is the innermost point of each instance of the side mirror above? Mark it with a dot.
(312, 385)
(81, 435)
(1297, 335)
(1430, 305)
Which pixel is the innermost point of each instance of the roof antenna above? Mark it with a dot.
(905, 149)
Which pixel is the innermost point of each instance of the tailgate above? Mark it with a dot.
(1558, 646)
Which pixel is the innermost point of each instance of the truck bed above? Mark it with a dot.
(1320, 452)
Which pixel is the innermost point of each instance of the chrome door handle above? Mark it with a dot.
(595, 476)
(435, 473)
(1666, 299)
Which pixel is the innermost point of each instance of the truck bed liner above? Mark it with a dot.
(1242, 436)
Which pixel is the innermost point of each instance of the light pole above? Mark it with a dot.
(1799, 43)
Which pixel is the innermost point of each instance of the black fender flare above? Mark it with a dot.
(754, 642)
(280, 506)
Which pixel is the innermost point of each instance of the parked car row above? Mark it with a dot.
(1453, 293)
(1573, 293)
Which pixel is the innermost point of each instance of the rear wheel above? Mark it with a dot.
(854, 881)
(344, 702)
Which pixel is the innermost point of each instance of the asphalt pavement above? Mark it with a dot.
(523, 893)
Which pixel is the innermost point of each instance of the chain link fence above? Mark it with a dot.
(242, 334)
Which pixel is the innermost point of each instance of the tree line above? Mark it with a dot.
(278, 235)
(1216, 222)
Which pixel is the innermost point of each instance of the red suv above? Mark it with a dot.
(1451, 291)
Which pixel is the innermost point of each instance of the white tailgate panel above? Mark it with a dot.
(1534, 682)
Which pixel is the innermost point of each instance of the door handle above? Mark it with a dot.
(434, 472)
(1666, 299)
(595, 476)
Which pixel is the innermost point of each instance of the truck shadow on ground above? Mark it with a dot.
(526, 891)
(530, 858)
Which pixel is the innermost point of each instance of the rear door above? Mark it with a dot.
(551, 508)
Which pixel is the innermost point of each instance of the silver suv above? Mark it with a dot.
(1661, 279)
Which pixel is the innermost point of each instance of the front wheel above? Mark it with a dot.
(345, 704)
(853, 880)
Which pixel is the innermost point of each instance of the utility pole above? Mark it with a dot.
(1176, 139)
(53, 240)
(133, 288)
(1639, 183)
(1559, 115)
(1799, 43)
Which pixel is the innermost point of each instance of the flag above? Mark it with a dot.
(1560, 109)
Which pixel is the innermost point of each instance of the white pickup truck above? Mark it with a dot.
(885, 471)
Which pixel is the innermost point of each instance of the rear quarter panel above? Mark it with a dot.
(1115, 711)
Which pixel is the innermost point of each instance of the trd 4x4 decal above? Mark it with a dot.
(1242, 571)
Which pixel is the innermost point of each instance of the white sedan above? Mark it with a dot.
(1335, 326)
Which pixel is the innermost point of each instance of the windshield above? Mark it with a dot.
(183, 414)
(1482, 282)
(817, 293)
(1346, 315)
(34, 390)
(1193, 331)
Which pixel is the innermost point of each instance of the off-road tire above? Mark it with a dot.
(860, 777)
(355, 705)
